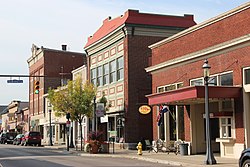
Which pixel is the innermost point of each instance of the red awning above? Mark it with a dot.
(194, 95)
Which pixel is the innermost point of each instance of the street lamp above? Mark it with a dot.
(209, 153)
(95, 121)
(50, 129)
(16, 122)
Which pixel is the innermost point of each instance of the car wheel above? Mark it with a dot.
(246, 163)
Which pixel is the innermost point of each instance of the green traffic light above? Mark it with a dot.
(36, 91)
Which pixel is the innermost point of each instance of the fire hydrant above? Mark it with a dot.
(139, 148)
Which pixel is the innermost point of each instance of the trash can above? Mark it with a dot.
(105, 147)
(184, 148)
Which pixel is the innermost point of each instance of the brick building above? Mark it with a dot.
(177, 81)
(117, 55)
(56, 67)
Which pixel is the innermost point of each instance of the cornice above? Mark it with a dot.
(201, 54)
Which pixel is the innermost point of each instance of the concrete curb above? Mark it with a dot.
(137, 157)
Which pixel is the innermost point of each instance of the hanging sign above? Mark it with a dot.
(100, 110)
(145, 109)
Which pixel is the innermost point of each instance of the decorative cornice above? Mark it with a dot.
(201, 54)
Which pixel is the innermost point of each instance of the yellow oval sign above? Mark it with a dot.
(145, 109)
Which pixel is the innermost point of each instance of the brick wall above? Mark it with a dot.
(224, 30)
(137, 85)
(50, 66)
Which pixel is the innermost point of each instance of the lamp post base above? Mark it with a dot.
(210, 162)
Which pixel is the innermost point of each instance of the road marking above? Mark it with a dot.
(31, 157)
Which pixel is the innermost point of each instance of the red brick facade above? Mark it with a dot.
(135, 31)
(53, 64)
(213, 40)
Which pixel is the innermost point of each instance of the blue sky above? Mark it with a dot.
(51, 23)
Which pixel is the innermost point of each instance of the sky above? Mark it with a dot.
(51, 23)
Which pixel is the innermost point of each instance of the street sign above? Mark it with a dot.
(67, 123)
(15, 81)
(100, 110)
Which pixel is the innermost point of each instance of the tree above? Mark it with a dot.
(75, 98)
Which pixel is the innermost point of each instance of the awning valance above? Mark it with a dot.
(194, 94)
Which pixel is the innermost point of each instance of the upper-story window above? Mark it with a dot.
(93, 76)
(108, 73)
(105, 74)
(198, 81)
(169, 87)
(226, 79)
(247, 76)
(112, 71)
(223, 79)
(120, 68)
(99, 76)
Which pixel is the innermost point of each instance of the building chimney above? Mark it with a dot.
(64, 47)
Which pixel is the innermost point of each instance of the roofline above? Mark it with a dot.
(104, 37)
(202, 25)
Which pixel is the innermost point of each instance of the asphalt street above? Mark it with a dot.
(21, 156)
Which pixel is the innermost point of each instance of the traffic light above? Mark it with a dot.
(37, 83)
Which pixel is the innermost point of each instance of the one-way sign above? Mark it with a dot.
(15, 81)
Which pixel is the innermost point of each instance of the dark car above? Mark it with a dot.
(244, 160)
(31, 138)
(7, 137)
(18, 139)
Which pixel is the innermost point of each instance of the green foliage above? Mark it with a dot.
(104, 100)
(75, 98)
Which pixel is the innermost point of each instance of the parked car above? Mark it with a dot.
(7, 137)
(31, 138)
(244, 160)
(18, 139)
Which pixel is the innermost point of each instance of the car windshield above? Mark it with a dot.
(34, 134)
(10, 134)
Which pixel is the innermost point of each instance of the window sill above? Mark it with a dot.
(225, 140)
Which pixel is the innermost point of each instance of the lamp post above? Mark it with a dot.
(209, 153)
(50, 129)
(16, 122)
(95, 121)
(67, 127)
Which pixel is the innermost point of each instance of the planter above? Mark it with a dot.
(94, 148)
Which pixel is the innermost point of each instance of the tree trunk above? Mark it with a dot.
(80, 122)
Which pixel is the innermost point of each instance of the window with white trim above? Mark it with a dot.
(226, 127)
(169, 87)
(99, 76)
(93, 76)
(222, 79)
(120, 66)
(247, 76)
(198, 81)
(105, 74)
(112, 68)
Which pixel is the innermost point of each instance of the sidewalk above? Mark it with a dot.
(164, 158)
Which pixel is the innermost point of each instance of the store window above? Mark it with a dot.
(120, 67)
(226, 127)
